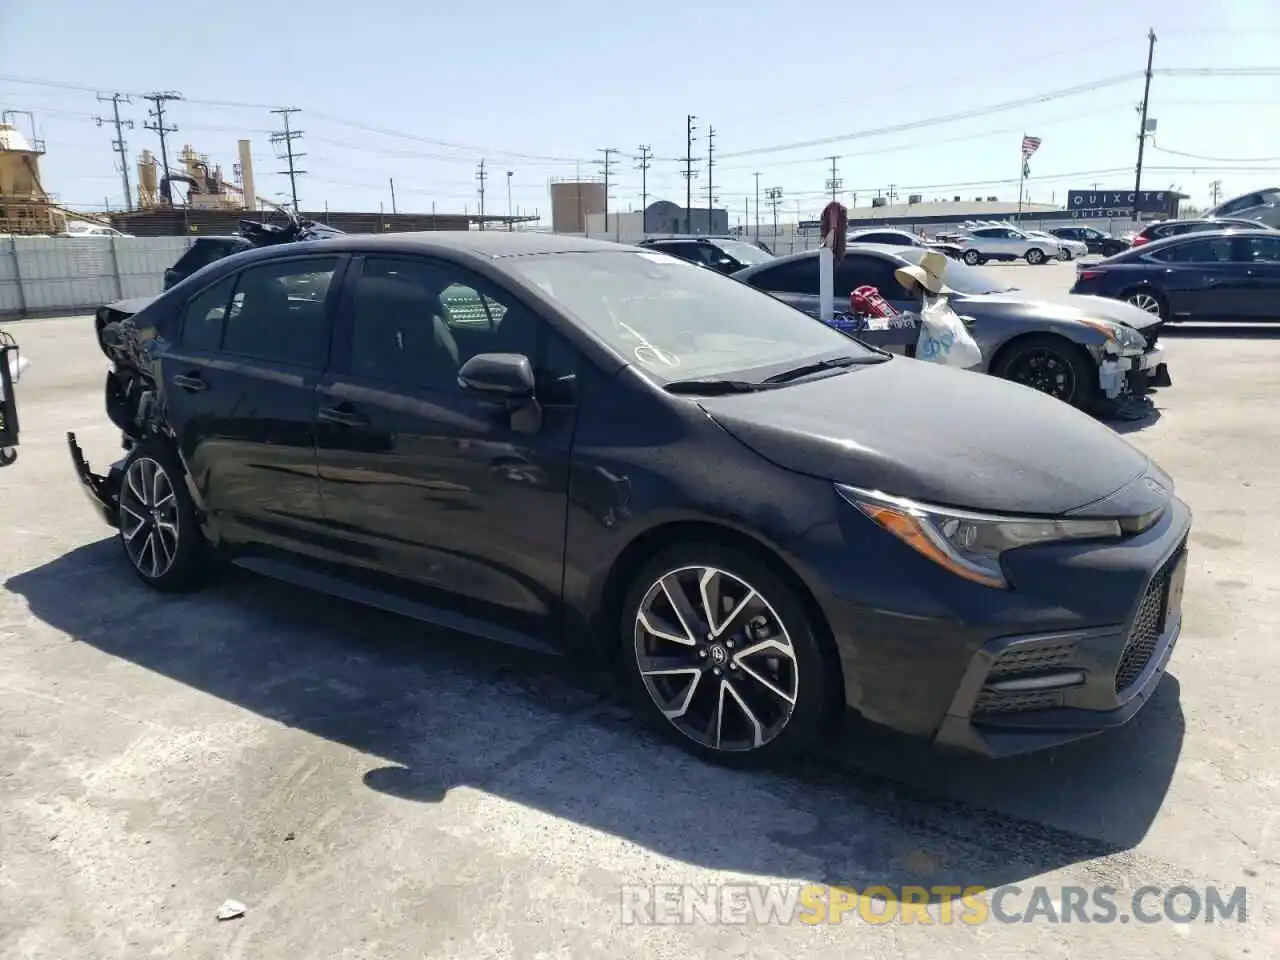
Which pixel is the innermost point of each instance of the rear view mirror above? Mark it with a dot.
(498, 377)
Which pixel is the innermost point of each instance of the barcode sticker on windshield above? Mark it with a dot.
(659, 257)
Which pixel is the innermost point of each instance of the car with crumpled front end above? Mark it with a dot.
(614, 454)
(1090, 352)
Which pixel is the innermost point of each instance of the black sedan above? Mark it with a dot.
(1226, 275)
(1095, 240)
(607, 451)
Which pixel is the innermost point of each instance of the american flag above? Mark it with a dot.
(1029, 146)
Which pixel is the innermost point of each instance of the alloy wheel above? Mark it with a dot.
(1146, 302)
(716, 658)
(971, 257)
(149, 518)
(1034, 257)
(1046, 371)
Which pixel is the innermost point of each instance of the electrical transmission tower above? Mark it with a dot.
(834, 183)
(688, 173)
(156, 112)
(287, 136)
(711, 197)
(606, 165)
(774, 195)
(118, 144)
(481, 176)
(643, 164)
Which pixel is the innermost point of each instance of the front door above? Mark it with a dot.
(452, 500)
(1259, 259)
(239, 383)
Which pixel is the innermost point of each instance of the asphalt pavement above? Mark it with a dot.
(367, 787)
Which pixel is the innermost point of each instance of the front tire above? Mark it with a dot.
(721, 653)
(1147, 300)
(1035, 256)
(972, 257)
(1052, 365)
(159, 529)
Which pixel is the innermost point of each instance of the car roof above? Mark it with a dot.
(1177, 238)
(887, 250)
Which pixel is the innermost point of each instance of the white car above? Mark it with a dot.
(82, 229)
(1070, 248)
(1002, 242)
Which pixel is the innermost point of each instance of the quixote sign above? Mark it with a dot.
(1118, 203)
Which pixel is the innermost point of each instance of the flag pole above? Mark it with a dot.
(1022, 172)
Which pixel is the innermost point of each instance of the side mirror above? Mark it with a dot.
(498, 377)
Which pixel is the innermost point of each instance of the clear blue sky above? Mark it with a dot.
(560, 80)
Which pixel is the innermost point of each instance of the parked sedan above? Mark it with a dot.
(1095, 241)
(756, 518)
(901, 238)
(1176, 228)
(1228, 275)
(1083, 350)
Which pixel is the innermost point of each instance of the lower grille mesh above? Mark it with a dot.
(1147, 627)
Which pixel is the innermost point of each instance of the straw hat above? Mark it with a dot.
(927, 273)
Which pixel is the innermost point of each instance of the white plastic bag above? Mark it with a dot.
(943, 337)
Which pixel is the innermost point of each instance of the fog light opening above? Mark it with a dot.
(1047, 681)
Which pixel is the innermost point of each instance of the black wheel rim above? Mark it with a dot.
(716, 658)
(149, 518)
(1047, 371)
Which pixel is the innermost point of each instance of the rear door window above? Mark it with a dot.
(1207, 250)
(857, 270)
(278, 312)
(205, 314)
(795, 276)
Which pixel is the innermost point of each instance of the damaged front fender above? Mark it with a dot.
(103, 491)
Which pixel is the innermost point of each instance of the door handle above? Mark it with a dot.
(344, 415)
(191, 382)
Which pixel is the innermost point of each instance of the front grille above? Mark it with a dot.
(1029, 658)
(990, 702)
(1147, 627)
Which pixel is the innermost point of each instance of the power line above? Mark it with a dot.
(157, 112)
(688, 173)
(606, 165)
(287, 136)
(118, 144)
(643, 162)
(1142, 127)
(1200, 156)
(834, 183)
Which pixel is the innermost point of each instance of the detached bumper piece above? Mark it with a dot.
(1026, 693)
(1134, 375)
(8, 400)
(103, 492)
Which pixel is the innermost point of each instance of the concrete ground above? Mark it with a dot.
(367, 788)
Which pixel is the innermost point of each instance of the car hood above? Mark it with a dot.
(1073, 306)
(935, 434)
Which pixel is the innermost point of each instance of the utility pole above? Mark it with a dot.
(893, 193)
(711, 199)
(1215, 191)
(1142, 128)
(118, 144)
(606, 165)
(757, 176)
(481, 177)
(391, 180)
(835, 183)
(643, 164)
(510, 216)
(157, 112)
(287, 136)
(688, 173)
(775, 200)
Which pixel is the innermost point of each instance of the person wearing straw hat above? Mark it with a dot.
(924, 277)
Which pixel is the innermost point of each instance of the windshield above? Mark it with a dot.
(678, 321)
(959, 277)
(748, 254)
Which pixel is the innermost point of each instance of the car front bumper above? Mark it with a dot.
(1075, 648)
(1133, 374)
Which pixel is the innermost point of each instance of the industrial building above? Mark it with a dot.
(25, 207)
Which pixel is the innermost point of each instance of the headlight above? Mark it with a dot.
(1117, 333)
(968, 544)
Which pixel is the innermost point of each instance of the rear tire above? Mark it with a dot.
(159, 528)
(739, 682)
(1052, 365)
(1147, 300)
(972, 257)
(1035, 256)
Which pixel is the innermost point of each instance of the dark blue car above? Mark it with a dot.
(1224, 275)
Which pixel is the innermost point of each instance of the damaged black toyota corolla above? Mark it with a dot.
(610, 452)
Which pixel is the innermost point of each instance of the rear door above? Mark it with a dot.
(1259, 258)
(240, 385)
